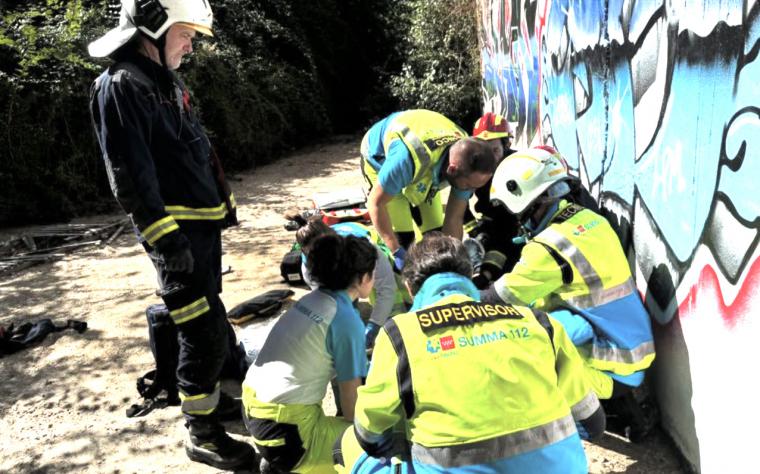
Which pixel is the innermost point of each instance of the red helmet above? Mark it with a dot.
(491, 126)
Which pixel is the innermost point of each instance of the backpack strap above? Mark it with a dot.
(567, 271)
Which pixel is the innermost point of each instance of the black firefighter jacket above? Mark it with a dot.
(158, 158)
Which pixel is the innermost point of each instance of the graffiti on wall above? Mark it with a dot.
(656, 105)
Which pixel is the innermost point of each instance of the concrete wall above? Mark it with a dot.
(656, 105)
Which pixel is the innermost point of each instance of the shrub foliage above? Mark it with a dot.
(278, 74)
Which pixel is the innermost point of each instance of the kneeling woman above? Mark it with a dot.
(320, 337)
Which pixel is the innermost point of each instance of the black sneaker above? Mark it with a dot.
(221, 452)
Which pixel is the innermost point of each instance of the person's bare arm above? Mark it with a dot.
(376, 203)
(453, 220)
(348, 397)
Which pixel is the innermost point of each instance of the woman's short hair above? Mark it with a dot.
(311, 229)
(435, 253)
(337, 262)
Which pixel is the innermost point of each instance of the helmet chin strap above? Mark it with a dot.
(529, 228)
(160, 44)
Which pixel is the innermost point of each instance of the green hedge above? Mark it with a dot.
(441, 71)
(278, 74)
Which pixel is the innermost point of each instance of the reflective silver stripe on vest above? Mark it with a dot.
(598, 295)
(496, 448)
(604, 296)
(201, 404)
(625, 356)
(572, 253)
(419, 149)
(586, 407)
(506, 294)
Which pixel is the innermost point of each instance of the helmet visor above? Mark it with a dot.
(204, 30)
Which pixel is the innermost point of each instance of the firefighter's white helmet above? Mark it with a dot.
(527, 175)
(152, 18)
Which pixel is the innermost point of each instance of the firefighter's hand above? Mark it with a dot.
(174, 251)
(180, 262)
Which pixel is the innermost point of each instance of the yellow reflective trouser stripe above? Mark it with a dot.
(159, 229)
(586, 407)
(191, 311)
(197, 213)
(500, 447)
(270, 442)
(232, 200)
(201, 404)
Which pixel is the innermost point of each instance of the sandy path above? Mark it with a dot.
(62, 403)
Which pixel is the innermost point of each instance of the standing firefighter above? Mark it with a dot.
(407, 158)
(159, 163)
(460, 386)
(574, 266)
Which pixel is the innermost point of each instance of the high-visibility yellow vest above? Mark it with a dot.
(473, 382)
(427, 135)
(601, 287)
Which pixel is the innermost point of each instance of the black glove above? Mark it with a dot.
(174, 250)
(180, 262)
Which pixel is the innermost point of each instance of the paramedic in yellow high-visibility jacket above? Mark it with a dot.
(461, 386)
(406, 159)
(573, 266)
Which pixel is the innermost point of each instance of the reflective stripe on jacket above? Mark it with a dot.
(602, 288)
(156, 152)
(427, 135)
(473, 382)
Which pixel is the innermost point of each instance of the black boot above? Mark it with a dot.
(210, 444)
(229, 409)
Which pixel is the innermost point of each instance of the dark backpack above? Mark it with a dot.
(162, 333)
(290, 267)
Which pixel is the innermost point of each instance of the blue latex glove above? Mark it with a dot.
(370, 333)
(398, 258)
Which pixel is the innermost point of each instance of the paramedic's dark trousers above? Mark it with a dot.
(202, 330)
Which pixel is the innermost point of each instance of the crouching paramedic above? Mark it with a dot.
(319, 338)
(160, 167)
(388, 297)
(470, 387)
(407, 158)
(574, 266)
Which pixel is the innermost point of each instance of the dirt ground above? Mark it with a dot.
(62, 403)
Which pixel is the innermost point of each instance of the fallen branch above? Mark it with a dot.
(116, 233)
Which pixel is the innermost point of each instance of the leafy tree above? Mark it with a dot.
(442, 67)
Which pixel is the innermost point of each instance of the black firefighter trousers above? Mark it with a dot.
(202, 329)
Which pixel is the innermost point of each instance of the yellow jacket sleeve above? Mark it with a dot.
(378, 404)
(534, 277)
(572, 381)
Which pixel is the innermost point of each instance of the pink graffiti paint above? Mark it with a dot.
(708, 287)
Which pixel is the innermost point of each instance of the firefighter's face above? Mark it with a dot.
(497, 148)
(179, 42)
